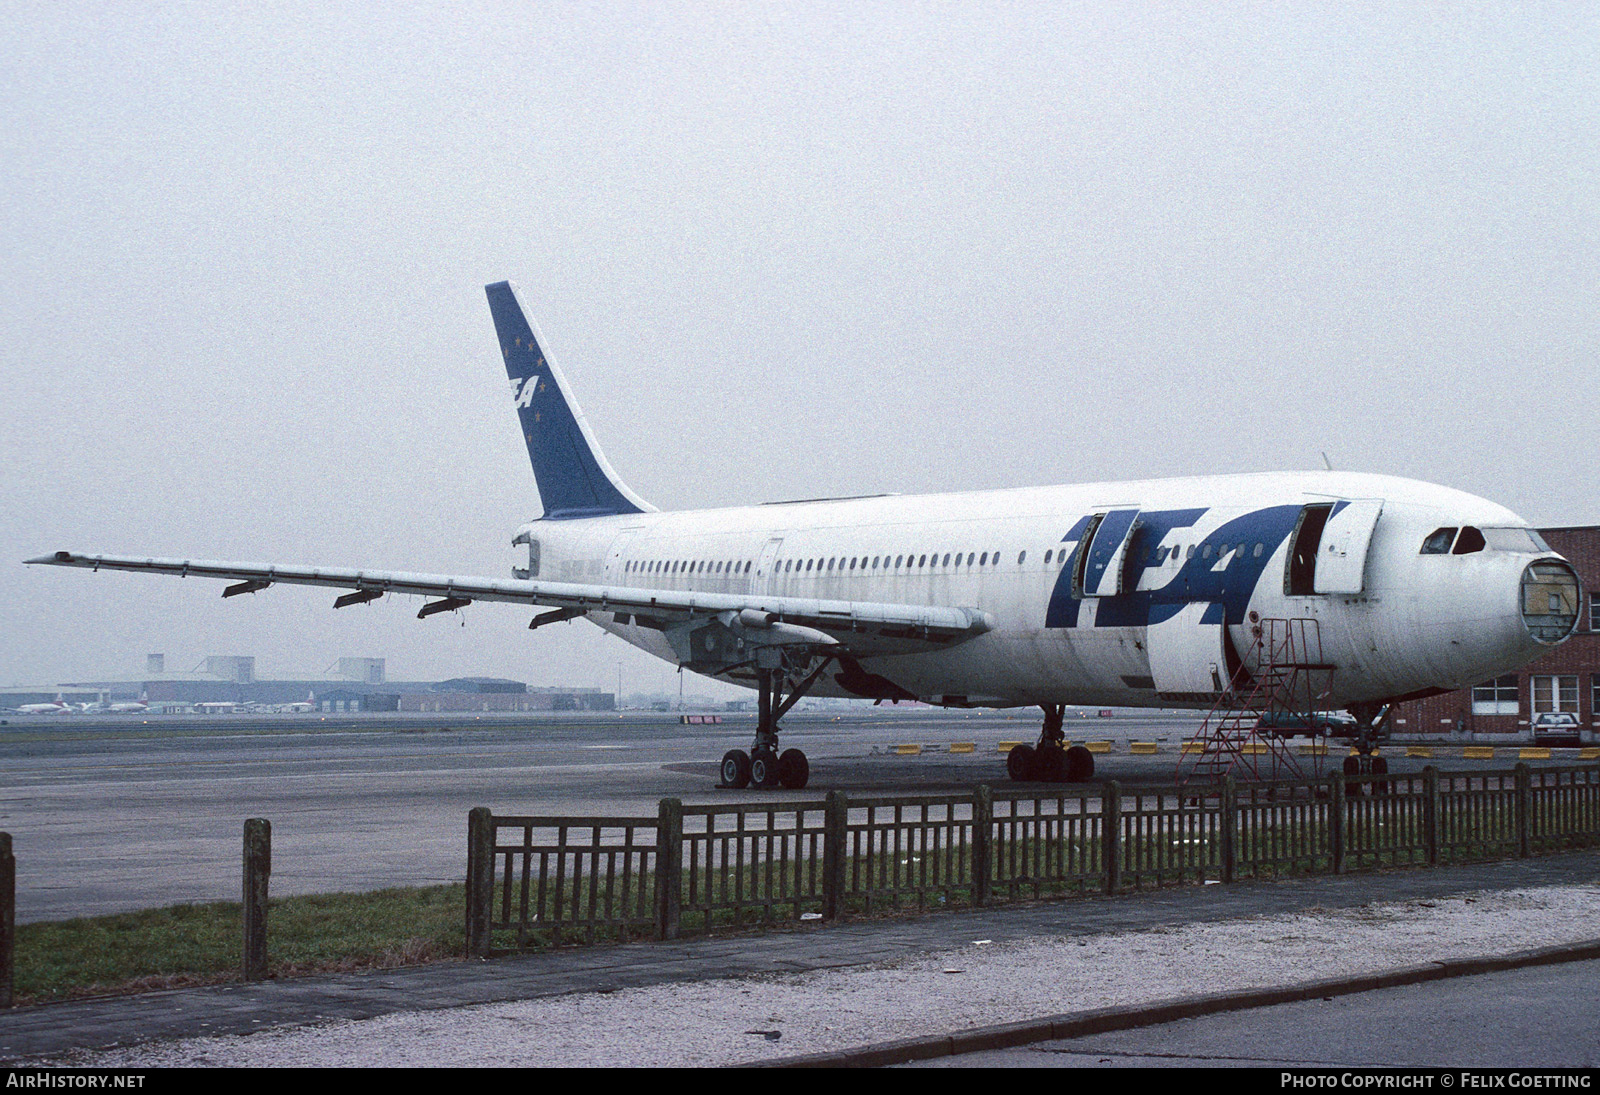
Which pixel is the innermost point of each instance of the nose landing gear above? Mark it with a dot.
(1050, 761)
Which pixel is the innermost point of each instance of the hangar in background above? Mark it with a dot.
(355, 684)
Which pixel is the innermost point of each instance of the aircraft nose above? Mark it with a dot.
(1551, 595)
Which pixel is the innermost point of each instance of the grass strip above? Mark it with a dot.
(184, 945)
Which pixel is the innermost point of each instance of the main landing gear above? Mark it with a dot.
(1050, 761)
(764, 766)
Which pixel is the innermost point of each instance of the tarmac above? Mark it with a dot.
(48, 1031)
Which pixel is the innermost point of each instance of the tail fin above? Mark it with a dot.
(573, 475)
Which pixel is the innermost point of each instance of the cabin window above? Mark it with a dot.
(852, 564)
(983, 560)
(1259, 549)
(1469, 541)
(1021, 556)
(1047, 556)
(1205, 552)
(1438, 541)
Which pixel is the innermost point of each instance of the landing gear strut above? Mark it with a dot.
(1049, 761)
(1372, 729)
(764, 766)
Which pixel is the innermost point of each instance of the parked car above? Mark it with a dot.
(1557, 728)
(1314, 724)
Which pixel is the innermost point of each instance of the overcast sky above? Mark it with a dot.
(781, 250)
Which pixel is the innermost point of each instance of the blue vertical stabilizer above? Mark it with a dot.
(572, 473)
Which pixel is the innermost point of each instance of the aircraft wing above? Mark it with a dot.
(857, 627)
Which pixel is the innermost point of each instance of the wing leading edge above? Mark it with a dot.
(861, 627)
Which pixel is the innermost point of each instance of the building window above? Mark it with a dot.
(1555, 694)
(1594, 613)
(1496, 697)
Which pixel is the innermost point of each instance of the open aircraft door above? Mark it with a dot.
(1187, 659)
(1099, 566)
(1342, 558)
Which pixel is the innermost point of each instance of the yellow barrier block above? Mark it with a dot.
(1419, 751)
(1314, 749)
(908, 750)
(1477, 752)
(1143, 749)
(1007, 746)
(1191, 748)
(1533, 752)
(963, 747)
(1591, 752)
(1099, 746)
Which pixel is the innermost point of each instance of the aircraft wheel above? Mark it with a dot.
(1049, 764)
(1019, 763)
(764, 769)
(794, 771)
(1352, 767)
(1380, 767)
(736, 769)
(1080, 765)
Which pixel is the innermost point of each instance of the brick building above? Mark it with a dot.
(1565, 681)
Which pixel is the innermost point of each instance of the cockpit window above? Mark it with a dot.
(1469, 541)
(1439, 541)
(1523, 540)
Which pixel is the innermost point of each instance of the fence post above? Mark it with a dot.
(480, 880)
(1229, 822)
(1524, 811)
(257, 871)
(1111, 835)
(1430, 814)
(669, 868)
(1336, 823)
(835, 835)
(982, 843)
(8, 919)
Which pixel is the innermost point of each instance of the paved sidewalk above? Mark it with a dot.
(239, 1009)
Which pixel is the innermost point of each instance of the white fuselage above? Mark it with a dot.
(1207, 558)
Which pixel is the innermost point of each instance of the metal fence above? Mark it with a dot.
(536, 881)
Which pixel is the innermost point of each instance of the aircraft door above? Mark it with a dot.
(765, 565)
(615, 557)
(1099, 566)
(1342, 560)
(1187, 656)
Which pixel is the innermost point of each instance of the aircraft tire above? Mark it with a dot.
(1080, 765)
(1380, 767)
(764, 769)
(794, 771)
(1019, 763)
(1352, 767)
(736, 769)
(1049, 764)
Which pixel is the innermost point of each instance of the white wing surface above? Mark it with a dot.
(861, 627)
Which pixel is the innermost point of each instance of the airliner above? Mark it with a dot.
(1149, 593)
(56, 707)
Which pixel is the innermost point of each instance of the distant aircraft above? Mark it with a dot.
(1145, 593)
(129, 707)
(58, 706)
